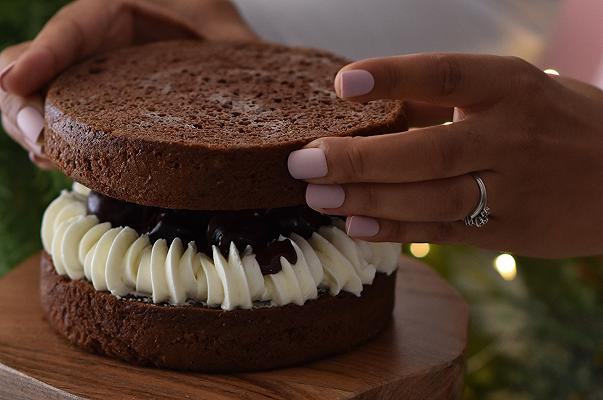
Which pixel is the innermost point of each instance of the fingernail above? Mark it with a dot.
(361, 226)
(35, 148)
(32, 157)
(3, 73)
(324, 196)
(40, 161)
(31, 123)
(457, 115)
(355, 82)
(307, 163)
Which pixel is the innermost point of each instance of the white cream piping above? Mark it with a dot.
(119, 260)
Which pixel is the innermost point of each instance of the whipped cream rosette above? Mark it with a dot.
(120, 260)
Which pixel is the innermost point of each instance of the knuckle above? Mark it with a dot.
(393, 81)
(454, 207)
(357, 201)
(528, 141)
(8, 55)
(448, 74)
(10, 105)
(354, 160)
(443, 154)
(528, 78)
(442, 232)
(71, 29)
(519, 63)
(532, 83)
(474, 138)
(370, 199)
(527, 135)
(393, 231)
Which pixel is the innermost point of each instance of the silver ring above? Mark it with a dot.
(479, 216)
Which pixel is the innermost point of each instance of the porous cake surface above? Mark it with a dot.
(201, 125)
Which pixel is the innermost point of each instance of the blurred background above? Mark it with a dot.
(537, 325)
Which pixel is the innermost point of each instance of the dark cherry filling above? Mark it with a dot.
(256, 228)
(269, 256)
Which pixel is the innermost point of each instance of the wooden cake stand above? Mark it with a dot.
(419, 357)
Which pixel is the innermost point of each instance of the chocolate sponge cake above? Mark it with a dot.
(184, 243)
(191, 124)
(214, 340)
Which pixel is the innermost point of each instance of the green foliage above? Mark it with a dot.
(24, 193)
(20, 20)
(24, 190)
(539, 336)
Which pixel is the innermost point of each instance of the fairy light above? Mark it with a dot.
(419, 250)
(551, 71)
(506, 266)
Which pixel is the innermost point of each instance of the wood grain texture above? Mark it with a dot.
(419, 357)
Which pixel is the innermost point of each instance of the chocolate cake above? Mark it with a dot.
(212, 339)
(205, 126)
(189, 246)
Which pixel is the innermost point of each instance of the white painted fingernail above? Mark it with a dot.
(307, 163)
(324, 196)
(31, 124)
(35, 148)
(355, 82)
(457, 115)
(360, 227)
(37, 157)
(40, 161)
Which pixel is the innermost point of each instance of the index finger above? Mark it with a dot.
(418, 155)
(83, 28)
(454, 80)
(73, 32)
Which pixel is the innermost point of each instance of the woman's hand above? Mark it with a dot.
(535, 140)
(86, 27)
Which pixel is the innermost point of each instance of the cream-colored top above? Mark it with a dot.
(119, 260)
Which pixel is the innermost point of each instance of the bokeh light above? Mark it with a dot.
(419, 250)
(506, 266)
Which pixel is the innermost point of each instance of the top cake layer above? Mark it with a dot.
(200, 125)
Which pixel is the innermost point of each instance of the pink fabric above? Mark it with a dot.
(576, 46)
(599, 77)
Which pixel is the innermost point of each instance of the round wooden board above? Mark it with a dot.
(419, 357)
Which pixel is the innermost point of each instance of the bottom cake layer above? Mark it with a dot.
(198, 338)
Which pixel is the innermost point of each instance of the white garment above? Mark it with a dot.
(370, 28)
